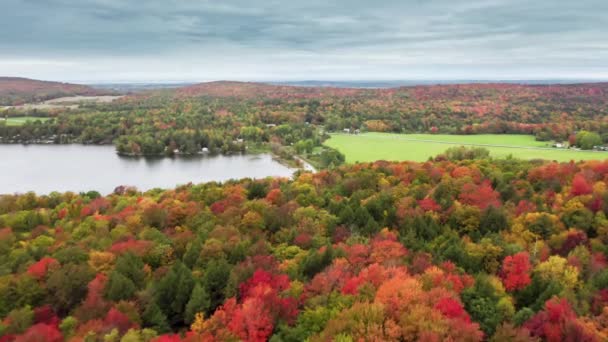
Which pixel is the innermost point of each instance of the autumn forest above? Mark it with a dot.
(462, 247)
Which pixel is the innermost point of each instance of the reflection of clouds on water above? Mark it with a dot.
(46, 168)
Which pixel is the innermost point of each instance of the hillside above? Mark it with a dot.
(551, 111)
(17, 91)
(471, 250)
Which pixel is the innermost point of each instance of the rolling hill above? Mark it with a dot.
(17, 91)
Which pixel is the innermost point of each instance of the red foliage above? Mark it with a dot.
(452, 309)
(598, 262)
(261, 277)
(341, 233)
(525, 206)
(41, 333)
(219, 207)
(39, 269)
(262, 305)
(118, 320)
(46, 315)
(86, 211)
(385, 250)
(373, 275)
(481, 196)
(580, 186)
(428, 204)
(94, 306)
(558, 322)
(252, 321)
(62, 213)
(573, 239)
(137, 247)
(167, 338)
(516, 271)
(421, 262)
(596, 204)
(600, 301)
(357, 255)
(303, 240)
(274, 196)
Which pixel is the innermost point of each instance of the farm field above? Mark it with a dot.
(18, 121)
(369, 147)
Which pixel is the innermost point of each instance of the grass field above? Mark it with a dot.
(419, 147)
(18, 121)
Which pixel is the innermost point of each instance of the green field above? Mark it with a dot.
(368, 147)
(18, 121)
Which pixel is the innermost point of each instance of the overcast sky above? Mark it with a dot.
(199, 40)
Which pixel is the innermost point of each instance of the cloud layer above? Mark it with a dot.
(125, 40)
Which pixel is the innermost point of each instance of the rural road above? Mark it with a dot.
(305, 165)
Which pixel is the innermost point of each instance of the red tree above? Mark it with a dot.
(481, 196)
(451, 308)
(118, 320)
(46, 315)
(39, 269)
(41, 333)
(580, 186)
(516, 271)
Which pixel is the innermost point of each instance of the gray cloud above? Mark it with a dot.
(272, 39)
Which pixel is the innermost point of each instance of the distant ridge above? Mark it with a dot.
(313, 90)
(256, 89)
(18, 90)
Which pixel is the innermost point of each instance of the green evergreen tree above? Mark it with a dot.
(132, 267)
(119, 287)
(173, 292)
(192, 254)
(154, 318)
(199, 302)
(215, 279)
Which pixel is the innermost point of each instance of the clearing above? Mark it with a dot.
(369, 147)
(20, 120)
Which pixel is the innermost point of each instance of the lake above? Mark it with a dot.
(48, 168)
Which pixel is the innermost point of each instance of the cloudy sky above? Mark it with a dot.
(198, 40)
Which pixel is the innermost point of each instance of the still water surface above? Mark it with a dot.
(47, 168)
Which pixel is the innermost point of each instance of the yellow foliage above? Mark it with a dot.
(519, 235)
(101, 261)
(599, 187)
(198, 326)
(557, 269)
(134, 223)
(488, 253)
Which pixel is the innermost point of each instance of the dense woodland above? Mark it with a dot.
(229, 117)
(462, 248)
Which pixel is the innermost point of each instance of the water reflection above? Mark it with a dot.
(47, 168)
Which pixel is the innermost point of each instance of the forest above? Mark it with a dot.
(230, 117)
(459, 248)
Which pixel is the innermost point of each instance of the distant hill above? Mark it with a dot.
(441, 92)
(262, 90)
(17, 91)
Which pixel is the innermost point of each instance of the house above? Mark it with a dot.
(346, 130)
(558, 145)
